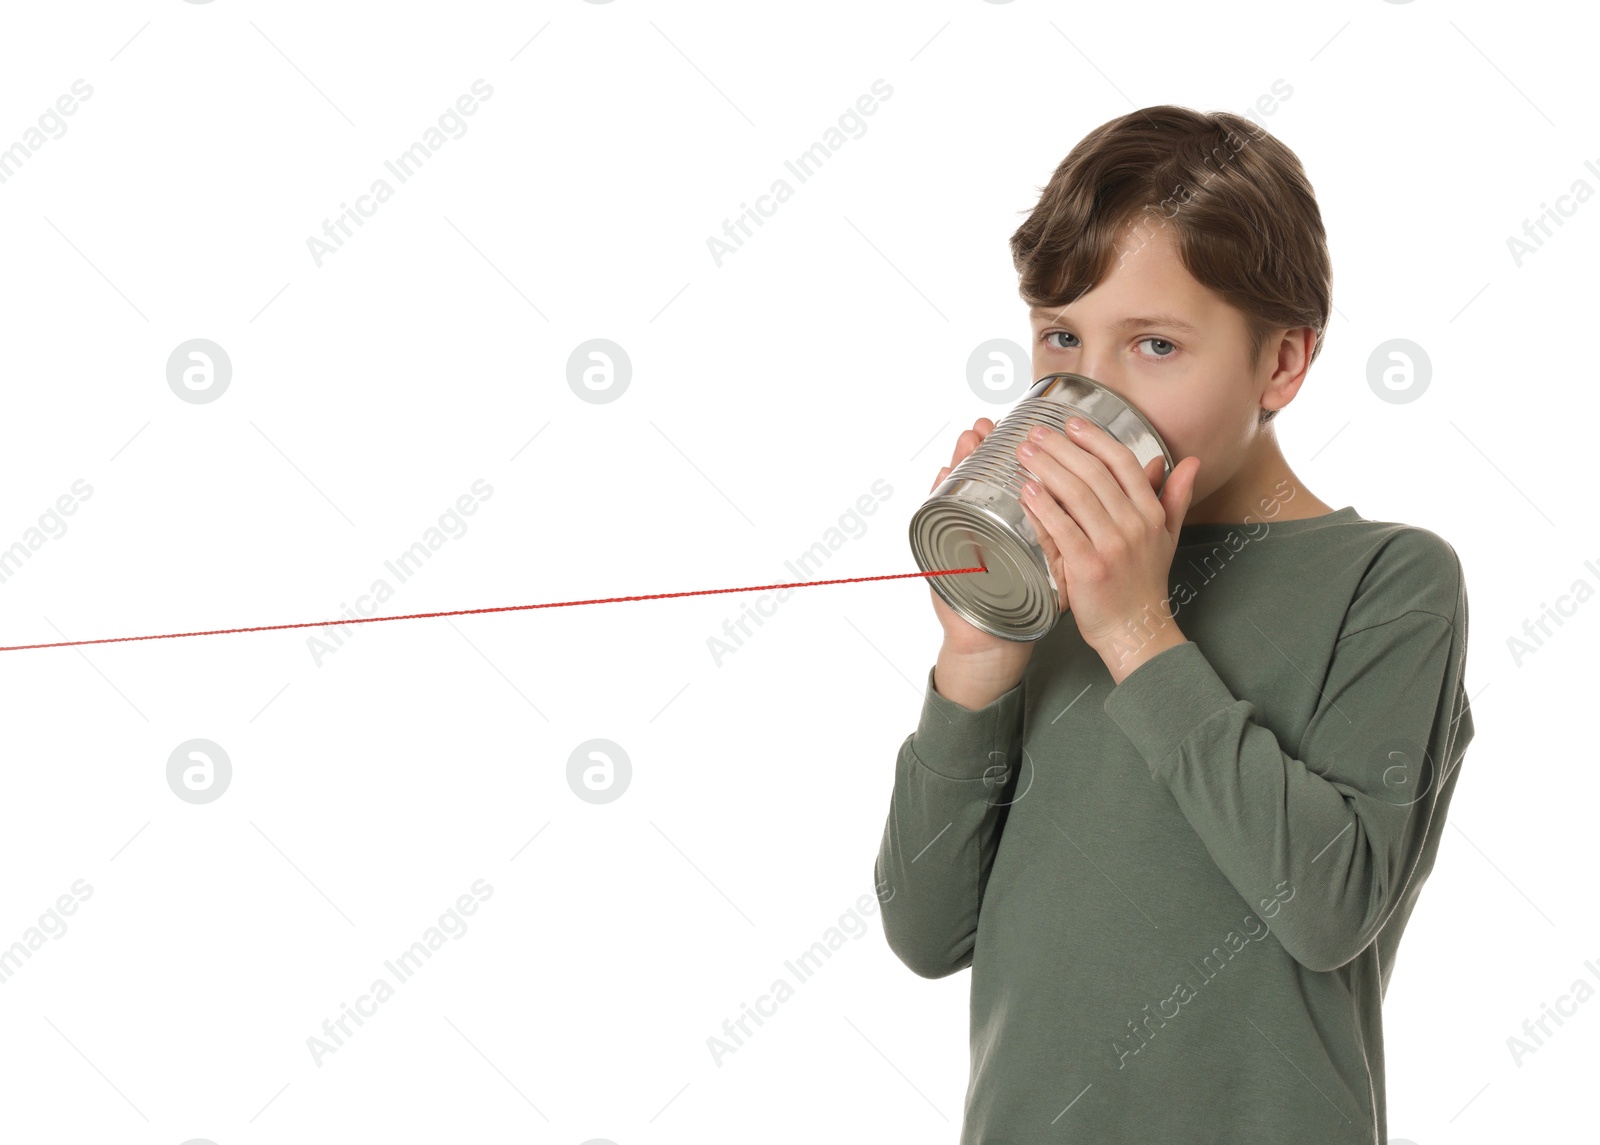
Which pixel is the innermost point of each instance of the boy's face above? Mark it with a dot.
(1195, 385)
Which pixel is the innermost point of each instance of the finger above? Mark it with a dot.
(963, 447)
(1070, 543)
(1118, 462)
(1079, 483)
(1178, 494)
(1047, 543)
(980, 430)
(943, 473)
(1052, 555)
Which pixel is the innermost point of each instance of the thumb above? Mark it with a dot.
(1178, 492)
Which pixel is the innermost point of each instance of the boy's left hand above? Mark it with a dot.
(1108, 538)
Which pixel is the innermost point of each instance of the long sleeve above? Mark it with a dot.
(946, 814)
(1326, 842)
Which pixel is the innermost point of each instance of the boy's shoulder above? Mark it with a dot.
(1404, 568)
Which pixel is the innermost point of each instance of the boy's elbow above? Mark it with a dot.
(924, 957)
(929, 938)
(927, 962)
(1322, 950)
(1322, 959)
(1335, 935)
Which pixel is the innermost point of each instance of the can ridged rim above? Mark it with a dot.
(1113, 396)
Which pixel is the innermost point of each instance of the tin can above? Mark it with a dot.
(975, 516)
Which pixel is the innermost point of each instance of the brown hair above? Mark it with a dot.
(1246, 217)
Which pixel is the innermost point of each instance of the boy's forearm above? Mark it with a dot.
(976, 681)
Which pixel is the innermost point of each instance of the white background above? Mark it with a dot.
(767, 394)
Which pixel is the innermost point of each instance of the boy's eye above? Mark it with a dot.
(1161, 349)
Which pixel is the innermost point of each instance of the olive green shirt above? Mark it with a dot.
(1182, 896)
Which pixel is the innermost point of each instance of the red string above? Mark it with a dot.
(506, 608)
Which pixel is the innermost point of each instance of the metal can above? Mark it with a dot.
(975, 517)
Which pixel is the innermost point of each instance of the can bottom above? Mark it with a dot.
(1016, 598)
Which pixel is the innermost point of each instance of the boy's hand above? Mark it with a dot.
(961, 638)
(1108, 538)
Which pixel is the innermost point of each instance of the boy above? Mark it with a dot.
(1178, 838)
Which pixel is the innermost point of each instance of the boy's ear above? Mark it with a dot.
(1290, 359)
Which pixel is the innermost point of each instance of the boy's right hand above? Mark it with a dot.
(961, 639)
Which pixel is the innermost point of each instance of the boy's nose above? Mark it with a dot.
(1100, 368)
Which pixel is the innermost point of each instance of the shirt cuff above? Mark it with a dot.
(962, 743)
(1163, 700)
